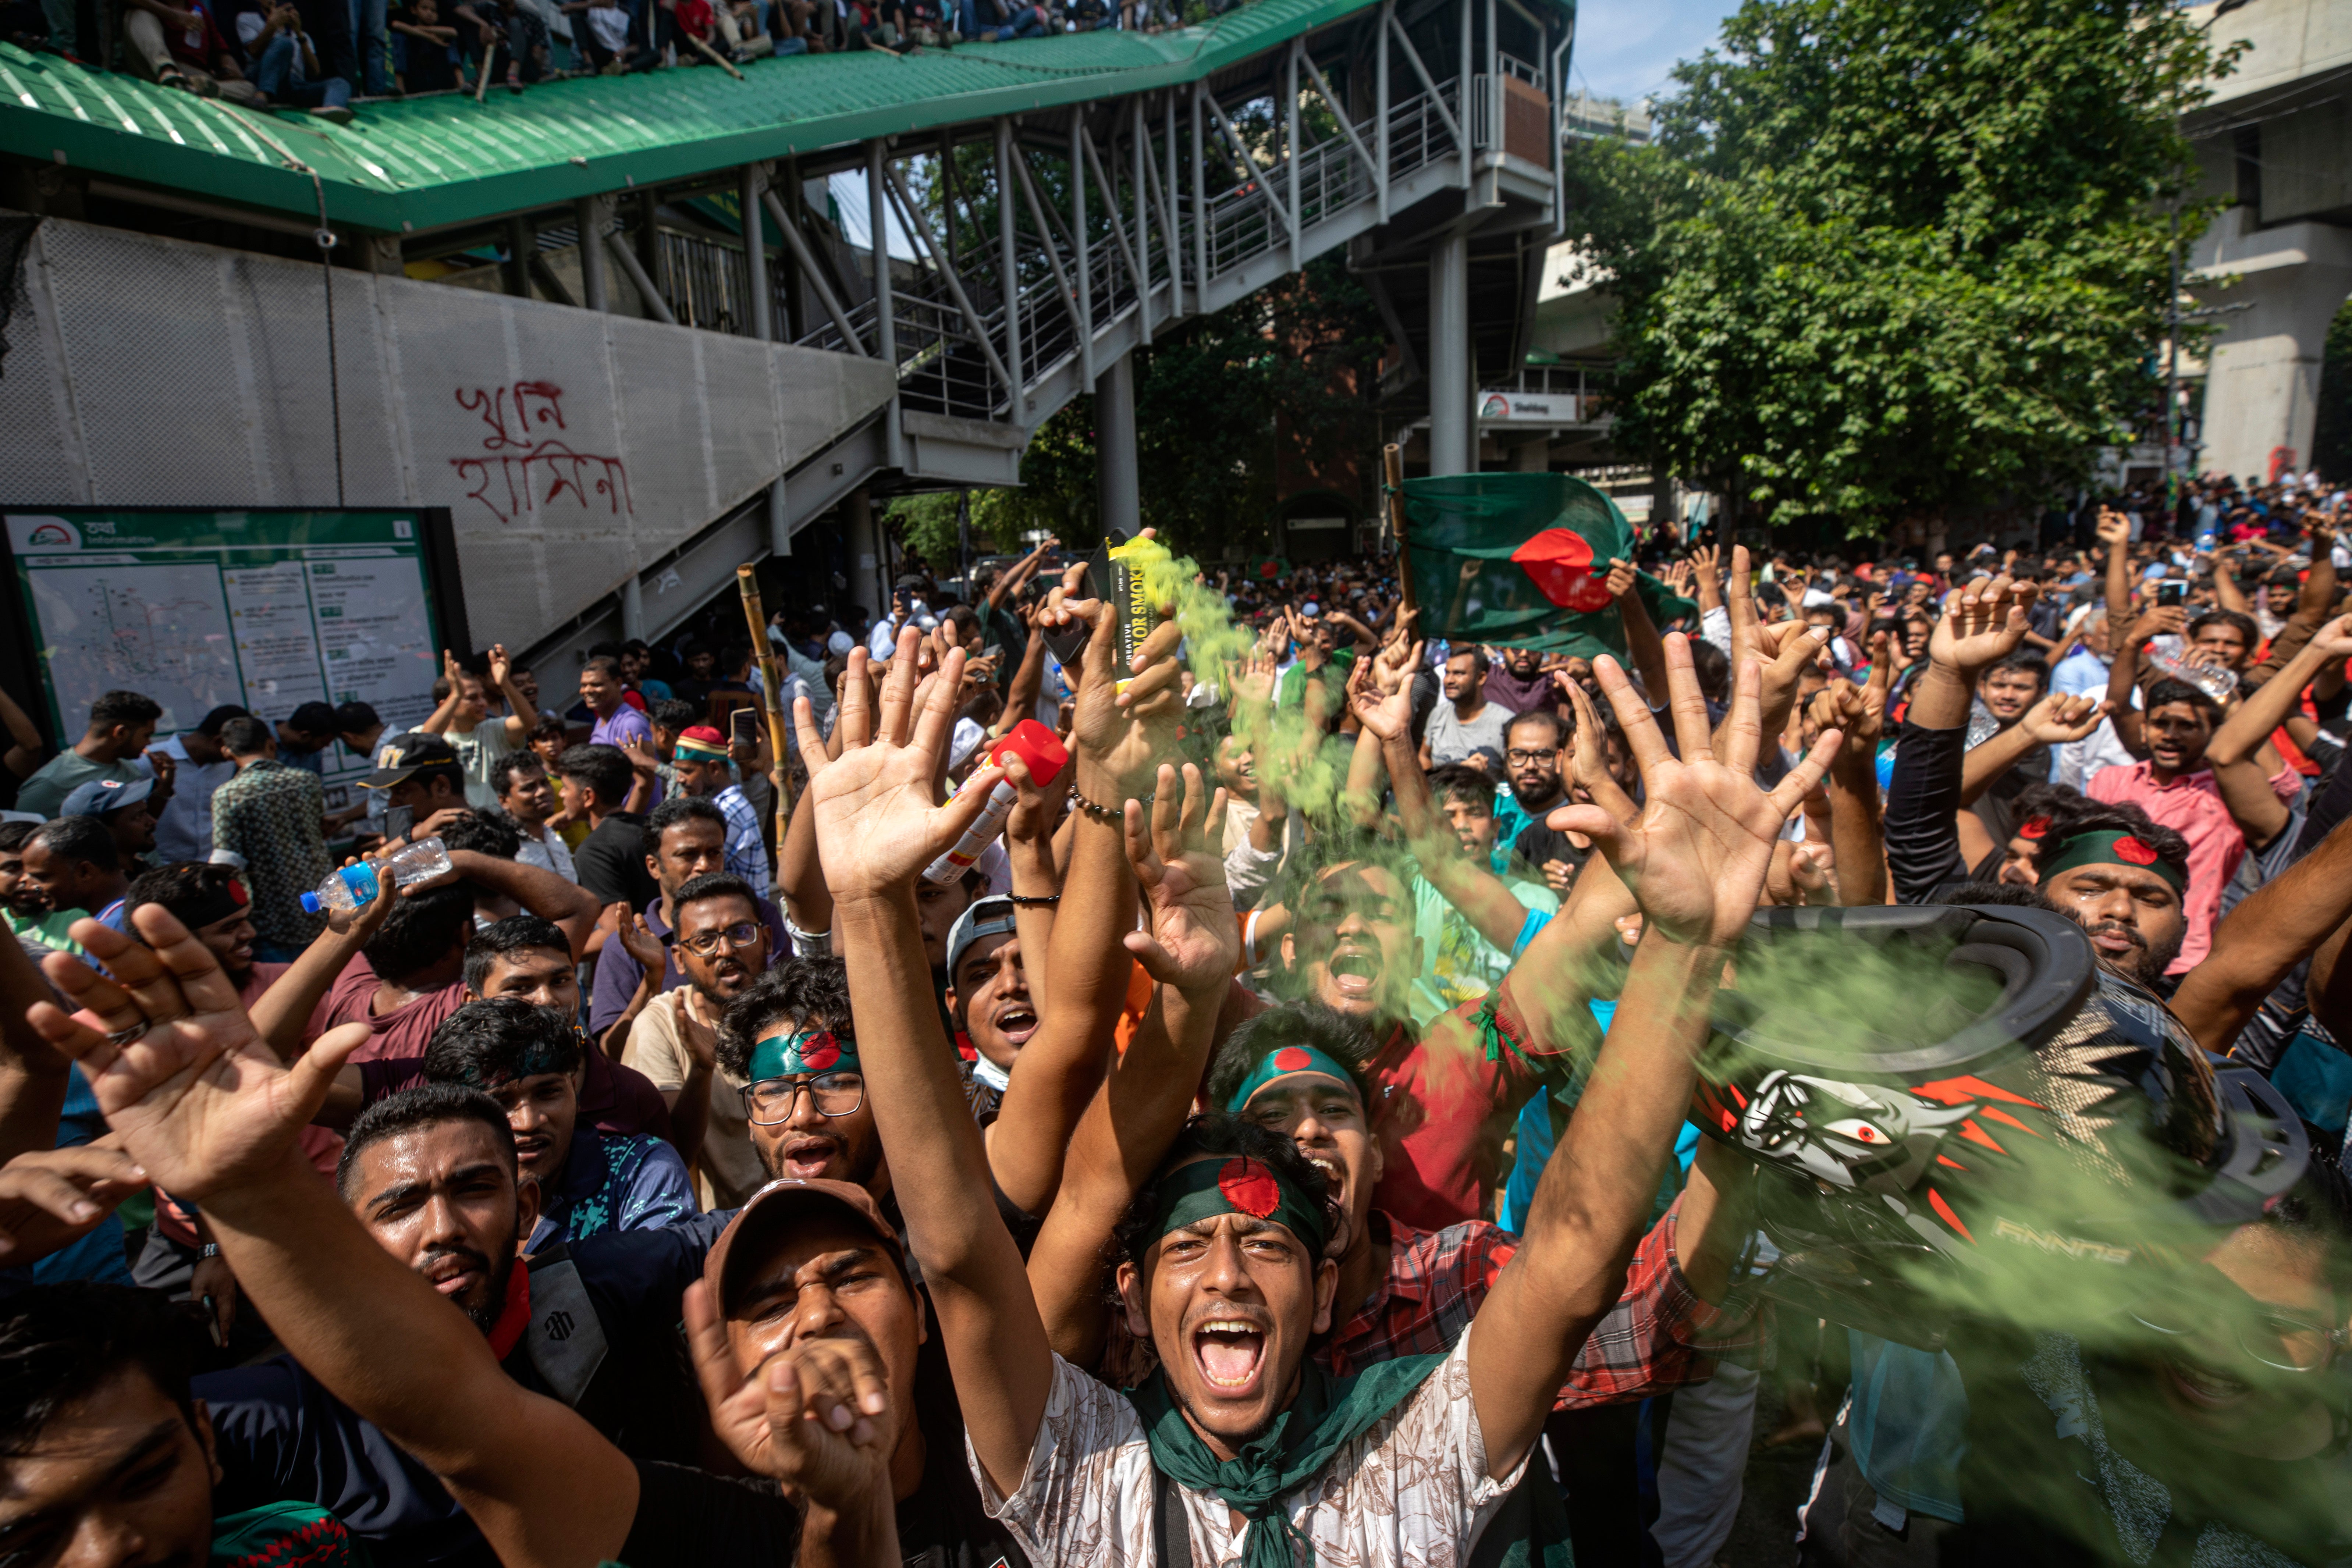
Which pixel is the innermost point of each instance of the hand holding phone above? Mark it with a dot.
(743, 728)
(2171, 591)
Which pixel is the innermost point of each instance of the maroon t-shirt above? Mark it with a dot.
(615, 1099)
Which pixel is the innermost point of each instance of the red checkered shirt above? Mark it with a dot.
(1658, 1336)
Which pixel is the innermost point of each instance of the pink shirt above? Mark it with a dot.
(2191, 806)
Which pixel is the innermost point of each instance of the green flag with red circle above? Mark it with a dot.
(1522, 561)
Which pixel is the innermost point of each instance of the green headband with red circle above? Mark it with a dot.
(1281, 1063)
(1235, 1184)
(2103, 846)
(809, 1051)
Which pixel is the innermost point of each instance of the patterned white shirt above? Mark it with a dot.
(1413, 1489)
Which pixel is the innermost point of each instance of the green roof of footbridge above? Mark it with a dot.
(430, 162)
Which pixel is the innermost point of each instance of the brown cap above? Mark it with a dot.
(773, 1202)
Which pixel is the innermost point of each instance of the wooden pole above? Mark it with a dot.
(1393, 476)
(715, 57)
(773, 693)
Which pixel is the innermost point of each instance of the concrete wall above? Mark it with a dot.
(2275, 139)
(572, 448)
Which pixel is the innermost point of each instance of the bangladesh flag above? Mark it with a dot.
(1522, 561)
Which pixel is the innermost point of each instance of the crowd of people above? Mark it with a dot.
(1294, 1127)
(319, 56)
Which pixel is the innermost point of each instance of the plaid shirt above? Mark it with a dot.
(1437, 1279)
(747, 852)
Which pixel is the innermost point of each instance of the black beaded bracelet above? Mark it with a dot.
(1034, 900)
(1098, 812)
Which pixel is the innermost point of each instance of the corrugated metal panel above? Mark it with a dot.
(425, 163)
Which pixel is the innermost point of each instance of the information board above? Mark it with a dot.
(265, 609)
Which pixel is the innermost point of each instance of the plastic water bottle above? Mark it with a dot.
(349, 887)
(2215, 682)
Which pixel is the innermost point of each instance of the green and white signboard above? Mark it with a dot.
(266, 609)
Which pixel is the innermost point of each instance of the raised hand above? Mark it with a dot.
(2115, 528)
(878, 819)
(2059, 720)
(1696, 856)
(196, 1095)
(1193, 943)
(1589, 762)
(811, 1417)
(49, 1198)
(1620, 581)
(1387, 712)
(1125, 733)
(2158, 620)
(1981, 624)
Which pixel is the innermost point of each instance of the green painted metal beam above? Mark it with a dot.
(428, 163)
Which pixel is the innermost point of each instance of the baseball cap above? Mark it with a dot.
(99, 797)
(990, 916)
(411, 753)
(774, 1203)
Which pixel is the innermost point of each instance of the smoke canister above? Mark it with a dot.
(1132, 563)
(1044, 755)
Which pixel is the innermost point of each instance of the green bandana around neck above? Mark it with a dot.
(809, 1051)
(1236, 1184)
(1282, 1063)
(2104, 847)
(1326, 1415)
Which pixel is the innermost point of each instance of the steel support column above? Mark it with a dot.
(1119, 492)
(755, 253)
(633, 607)
(1009, 262)
(588, 216)
(885, 328)
(1450, 437)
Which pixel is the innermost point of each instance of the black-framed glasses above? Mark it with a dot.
(736, 937)
(2279, 1341)
(835, 1094)
(1517, 755)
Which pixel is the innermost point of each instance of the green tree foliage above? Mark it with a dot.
(1890, 256)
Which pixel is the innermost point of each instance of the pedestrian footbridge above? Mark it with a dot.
(630, 410)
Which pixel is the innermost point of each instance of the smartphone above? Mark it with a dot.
(2171, 591)
(397, 822)
(744, 728)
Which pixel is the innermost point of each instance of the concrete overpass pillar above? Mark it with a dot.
(1452, 434)
(2262, 381)
(1120, 497)
(869, 576)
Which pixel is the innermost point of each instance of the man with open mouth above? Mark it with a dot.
(988, 1000)
(1241, 1442)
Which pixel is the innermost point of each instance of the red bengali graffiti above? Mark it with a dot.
(525, 471)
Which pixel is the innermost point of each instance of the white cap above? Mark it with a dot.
(840, 643)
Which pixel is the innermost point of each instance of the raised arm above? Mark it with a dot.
(1464, 879)
(2237, 748)
(1113, 745)
(1696, 860)
(34, 1074)
(878, 829)
(1978, 627)
(444, 712)
(1857, 820)
(206, 1107)
(522, 716)
(2115, 532)
(2258, 944)
(1188, 953)
(569, 905)
(2057, 719)
(1640, 635)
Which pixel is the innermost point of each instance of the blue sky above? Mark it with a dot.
(1624, 48)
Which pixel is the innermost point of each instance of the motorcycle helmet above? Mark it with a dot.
(1957, 1109)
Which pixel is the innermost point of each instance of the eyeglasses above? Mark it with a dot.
(1515, 755)
(736, 937)
(834, 1094)
(2278, 1341)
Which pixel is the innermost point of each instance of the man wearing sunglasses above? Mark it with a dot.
(720, 946)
